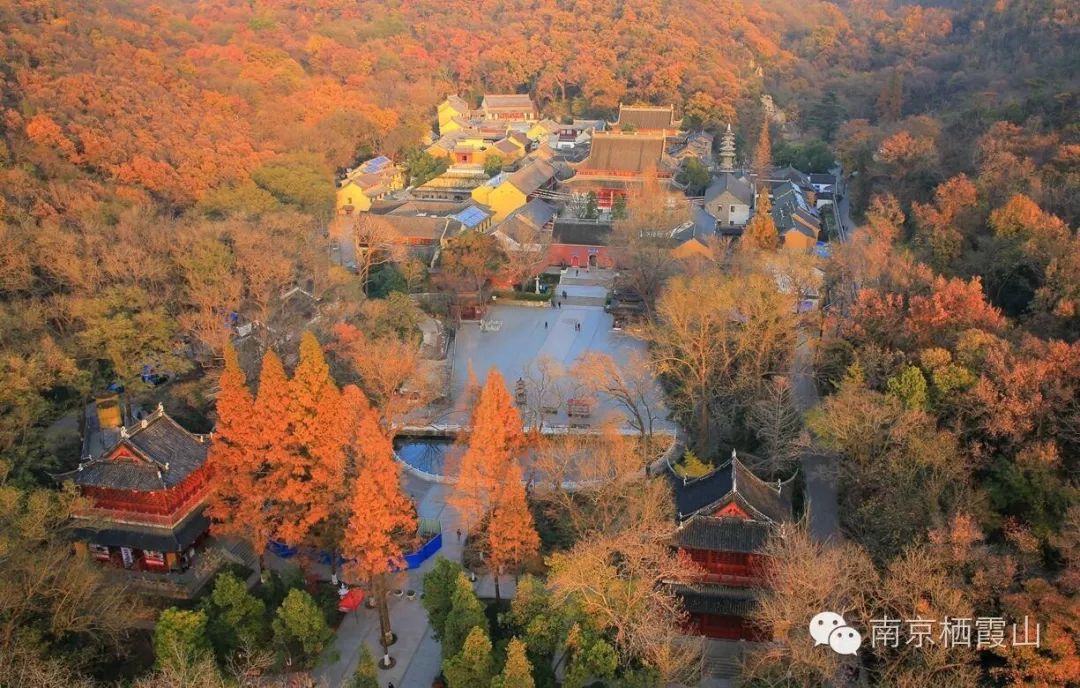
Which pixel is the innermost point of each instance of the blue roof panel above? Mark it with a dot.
(471, 217)
(375, 165)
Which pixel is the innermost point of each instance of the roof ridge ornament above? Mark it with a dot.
(123, 432)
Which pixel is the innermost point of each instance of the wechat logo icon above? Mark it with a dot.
(829, 628)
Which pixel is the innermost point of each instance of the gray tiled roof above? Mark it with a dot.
(716, 599)
(581, 233)
(738, 187)
(726, 534)
(533, 176)
(732, 481)
(148, 537)
(507, 101)
(537, 211)
(647, 116)
(167, 455)
(631, 153)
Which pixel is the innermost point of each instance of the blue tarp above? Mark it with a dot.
(280, 549)
(412, 560)
(415, 559)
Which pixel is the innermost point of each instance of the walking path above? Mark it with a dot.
(417, 653)
(818, 468)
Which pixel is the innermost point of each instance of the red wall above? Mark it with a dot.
(159, 506)
(730, 568)
(725, 627)
(566, 254)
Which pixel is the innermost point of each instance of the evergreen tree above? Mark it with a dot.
(825, 115)
(180, 636)
(591, 209)
(909, 386)
(474, 666)
(517, 672)
(439, 585)
(236, 618)
(300, 629)
(366, 674)
(695, 175)
(466, 613)
(618, 207)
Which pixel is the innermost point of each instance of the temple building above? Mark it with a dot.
(147, 491)
(513, 107)
(724, 520)
(618, 164)
(647, 119)
(371, 181)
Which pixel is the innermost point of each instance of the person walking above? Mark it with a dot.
(459, 534)
(564, 294)
(545, 324)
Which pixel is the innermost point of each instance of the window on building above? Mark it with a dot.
(732, 209)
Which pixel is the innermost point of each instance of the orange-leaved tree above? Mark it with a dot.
(382, 517)
(763, 151)
(275, 455)
(495, 439)
(236, 501)
(250, 452)
(315, 483)
(511, 535)
(761, 232)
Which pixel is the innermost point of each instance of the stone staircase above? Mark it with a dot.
(722, 659)
(720, 667)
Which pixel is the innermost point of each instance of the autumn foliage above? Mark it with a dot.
(383, 519)
(495, 439)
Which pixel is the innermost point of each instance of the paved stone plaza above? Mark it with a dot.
(523, 340)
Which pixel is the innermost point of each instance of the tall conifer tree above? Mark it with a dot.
(241, 482)
(761, 232)
(316, 482)
(511, 536)
(382, 516)
(495, 439)
(274, 457)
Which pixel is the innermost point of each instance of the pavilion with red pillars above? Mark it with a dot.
(724, 520)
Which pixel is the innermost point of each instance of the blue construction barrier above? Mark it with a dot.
(280, 549)
(413, 560)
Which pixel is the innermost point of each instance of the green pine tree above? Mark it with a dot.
(236, 618)
(366, 675)
(474, 666)
(466, 613)
(300, 628)
(180, 637)
(517, 672)
(439, 585)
